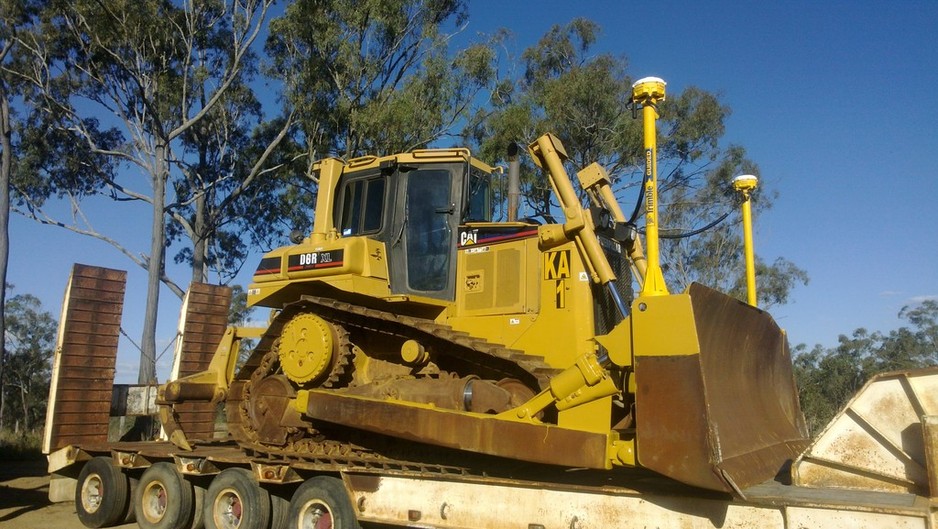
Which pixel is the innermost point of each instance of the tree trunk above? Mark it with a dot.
(23, 395)
(199, 238)
(147, 374)
(6, 167)
(200, 243)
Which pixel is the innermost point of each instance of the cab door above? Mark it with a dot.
(423, 257)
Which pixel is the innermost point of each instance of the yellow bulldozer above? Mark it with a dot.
(409, 325)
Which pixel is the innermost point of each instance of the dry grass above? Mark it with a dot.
(19, 446)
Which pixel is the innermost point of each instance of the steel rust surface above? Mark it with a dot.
(728, 417)
(881, 440)
(205, 322)
(86, 352)
(537, 443)
(271, 399)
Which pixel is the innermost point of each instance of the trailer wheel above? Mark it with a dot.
(102, 496)
(131, 516)
(279, 510)
(235, 501)
(165, 500)
(322, 503)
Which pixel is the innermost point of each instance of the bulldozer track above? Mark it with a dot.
(316, 450)
(444, 341)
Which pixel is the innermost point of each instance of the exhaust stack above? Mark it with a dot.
(514, 182)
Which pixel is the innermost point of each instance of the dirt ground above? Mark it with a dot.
(24, 499)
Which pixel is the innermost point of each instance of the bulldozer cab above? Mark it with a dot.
(416, 210)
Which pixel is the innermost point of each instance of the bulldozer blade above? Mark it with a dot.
(716, 402)
(484, 434)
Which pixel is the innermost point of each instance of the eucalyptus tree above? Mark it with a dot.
(129, 79)
(31, 333)
(231, 161)
(12, 17)
(16, 16)
(375, 76)
(585, 100)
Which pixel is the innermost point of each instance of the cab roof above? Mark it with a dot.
(417, 156)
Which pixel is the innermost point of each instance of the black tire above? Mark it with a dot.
(279, 512)
(318, 498)
(102, 496)
(130, 516)
(164, 499)
(235, 501)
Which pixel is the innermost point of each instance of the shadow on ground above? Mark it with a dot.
(24, 487)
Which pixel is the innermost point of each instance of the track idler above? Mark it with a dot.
(308, 348)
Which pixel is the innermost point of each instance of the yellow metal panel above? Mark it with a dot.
(365, 163)
(594, 416)
(508, 289)
(664, 326)
(618, 343)
(564, 328)
(554, 315)
(488, 280)
(593, 174)
(354, 264)
(476, 285)
(329, 172)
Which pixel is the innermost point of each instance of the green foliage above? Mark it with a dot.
(585, 101)
(30, 343)
(362, 78)
(374, 76)
(217, 159)
(582, 100)
(169, 80)
(55, 162)
(828, 377)
(238, 311)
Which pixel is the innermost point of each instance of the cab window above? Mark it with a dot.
(362, 206)
(479, 198)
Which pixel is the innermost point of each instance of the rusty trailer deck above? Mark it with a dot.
(407, 496)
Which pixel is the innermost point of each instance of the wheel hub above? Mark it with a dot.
(154, 502)
(91, 493)
(228, 510)
(316, 516)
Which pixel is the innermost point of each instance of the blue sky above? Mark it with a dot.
(836, 101)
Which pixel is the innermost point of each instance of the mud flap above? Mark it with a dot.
(716, 403)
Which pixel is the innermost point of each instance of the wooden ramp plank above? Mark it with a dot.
(205, 318)
(85, 357)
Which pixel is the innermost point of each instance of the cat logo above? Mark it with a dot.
(468, 237)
